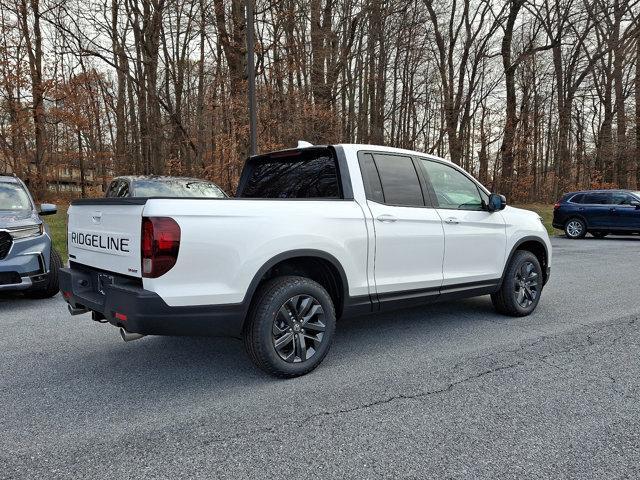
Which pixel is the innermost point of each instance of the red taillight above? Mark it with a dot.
(159, 246)
(556, 206)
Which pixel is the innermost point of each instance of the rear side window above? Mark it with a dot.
(303, 174)
(597, 198)
(399, 180)
(577, 198)
(371, 178)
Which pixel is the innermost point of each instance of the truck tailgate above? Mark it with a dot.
(106, 234)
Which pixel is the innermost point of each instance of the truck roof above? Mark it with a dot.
(364, 146)
(382, 148)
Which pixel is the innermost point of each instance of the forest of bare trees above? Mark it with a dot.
(534, 97)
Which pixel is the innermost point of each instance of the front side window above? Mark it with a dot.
(453, 189)
(621, 198)
(399, 179)
(303, 175)
(13, 197)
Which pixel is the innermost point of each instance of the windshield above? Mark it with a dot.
(177, 188)
(13, 197)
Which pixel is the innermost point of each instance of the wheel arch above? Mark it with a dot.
(317, 265)
(534, 245)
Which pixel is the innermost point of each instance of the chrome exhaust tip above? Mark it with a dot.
(77, 311)
(128, 336)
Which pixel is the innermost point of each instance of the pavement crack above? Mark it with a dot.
(401, 396)
(418, 395)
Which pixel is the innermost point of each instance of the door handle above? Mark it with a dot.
(452, 221)
(386, 218)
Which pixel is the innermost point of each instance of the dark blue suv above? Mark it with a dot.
(598, 212)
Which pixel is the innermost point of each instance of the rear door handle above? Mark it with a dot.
(452, 221)
(386, 218)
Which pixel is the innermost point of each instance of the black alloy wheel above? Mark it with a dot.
(526, 285)
(521, 287)
(290, 326)
(298, 329)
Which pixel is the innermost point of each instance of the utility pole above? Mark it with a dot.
(251, 74)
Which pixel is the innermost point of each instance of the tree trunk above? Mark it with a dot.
(33, 40)
(636, 160)
(511, 118)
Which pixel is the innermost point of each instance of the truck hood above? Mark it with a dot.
(526, 222)
(20, 218)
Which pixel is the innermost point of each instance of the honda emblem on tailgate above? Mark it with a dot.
(96, 217)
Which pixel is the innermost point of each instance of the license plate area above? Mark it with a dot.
(104, 281)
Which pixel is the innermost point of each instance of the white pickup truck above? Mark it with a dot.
(314, 234)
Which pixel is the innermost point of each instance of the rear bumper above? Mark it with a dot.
(141, 311)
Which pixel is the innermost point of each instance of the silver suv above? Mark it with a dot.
(28, 262)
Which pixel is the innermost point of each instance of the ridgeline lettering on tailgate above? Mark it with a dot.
(98, 241)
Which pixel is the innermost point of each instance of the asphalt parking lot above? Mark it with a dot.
(452, 390)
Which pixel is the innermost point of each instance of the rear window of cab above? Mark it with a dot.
(307, 173)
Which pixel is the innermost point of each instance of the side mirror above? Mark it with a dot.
(635, 203)
(496, 202)
(48, 209)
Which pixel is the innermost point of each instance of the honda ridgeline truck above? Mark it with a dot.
(314, 234)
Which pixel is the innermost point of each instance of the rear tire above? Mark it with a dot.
(50, 286)
(575, 228)
(521, 287)
(290, 326)
(599, 234)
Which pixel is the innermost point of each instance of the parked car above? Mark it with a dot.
(160, 186)
(598, 212)
(315, 234)
(28, 261)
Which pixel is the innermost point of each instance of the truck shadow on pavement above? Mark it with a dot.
(175, 363)
(86, 364)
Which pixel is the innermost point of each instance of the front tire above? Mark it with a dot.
(290, 326)
(575, 228)
(51, 285)
(521, 286)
